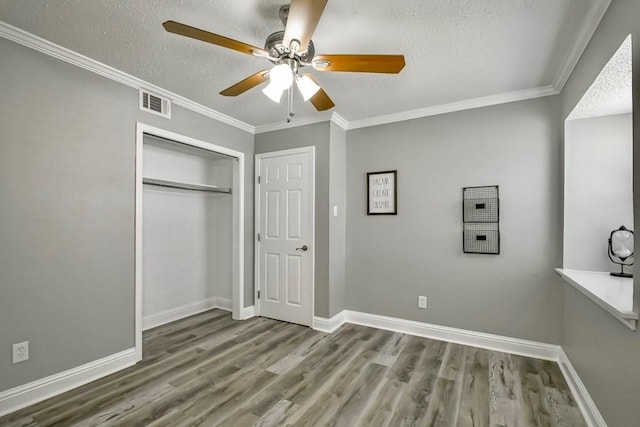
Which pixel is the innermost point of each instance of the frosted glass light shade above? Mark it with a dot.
(273, 92)
(281, 76)
(307, 87)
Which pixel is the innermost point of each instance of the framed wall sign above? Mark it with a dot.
(382, 196)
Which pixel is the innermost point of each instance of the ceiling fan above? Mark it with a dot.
(290, 51)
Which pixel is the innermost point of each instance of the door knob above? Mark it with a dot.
(304, 248)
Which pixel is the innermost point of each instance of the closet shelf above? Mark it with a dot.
(186, 186)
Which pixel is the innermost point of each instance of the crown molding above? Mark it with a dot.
(304, 121)
(296, 122)
(467, 104)
(340, 121)
(435, 110)
(590, 25)
(37, 43)
(588, 29)
(49, 48)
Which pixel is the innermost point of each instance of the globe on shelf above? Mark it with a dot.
(621, 249)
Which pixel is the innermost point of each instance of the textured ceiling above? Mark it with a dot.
(610, 93)
(455, 50)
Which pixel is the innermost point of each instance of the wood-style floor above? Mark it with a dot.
(210, 370)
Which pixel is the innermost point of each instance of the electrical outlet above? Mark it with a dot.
(20, 352)
(422, 302)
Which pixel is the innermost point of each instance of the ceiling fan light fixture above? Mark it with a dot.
(273, 92)
(281, 76)
(307, 87)
(289, 50)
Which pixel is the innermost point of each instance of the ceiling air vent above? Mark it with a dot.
(155, 104)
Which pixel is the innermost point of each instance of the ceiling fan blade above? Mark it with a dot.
(391, 64)
(246, 84)
(205, 36)
(320, 100)
(302, 21)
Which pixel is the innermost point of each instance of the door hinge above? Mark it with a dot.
(258, 179)
(258, 237)
(258, 294)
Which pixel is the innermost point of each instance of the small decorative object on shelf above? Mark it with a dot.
(621, 248)
(480, 217)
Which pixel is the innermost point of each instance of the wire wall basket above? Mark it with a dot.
(480, 217)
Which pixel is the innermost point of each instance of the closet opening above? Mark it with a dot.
(189, 228)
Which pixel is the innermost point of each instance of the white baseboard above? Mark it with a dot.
(580, 393)
(248, 312)
(178, 313)
(443, 333)
(19, 397)
(223, 304)
(475, 339)
(323, 324)
(22, 396)
(459, 336)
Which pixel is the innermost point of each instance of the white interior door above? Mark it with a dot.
(285, 250)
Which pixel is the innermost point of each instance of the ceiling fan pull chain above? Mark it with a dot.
(290, 96)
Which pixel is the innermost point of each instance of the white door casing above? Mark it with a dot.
(285, 223)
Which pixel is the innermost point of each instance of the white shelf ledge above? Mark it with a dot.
(614, 294)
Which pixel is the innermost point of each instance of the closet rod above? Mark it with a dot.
(186, 186)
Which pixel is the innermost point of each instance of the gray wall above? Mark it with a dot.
(598, 188)
(67, 168)
(337, 224)
(603, 351)
(304, 136)
(393, 259)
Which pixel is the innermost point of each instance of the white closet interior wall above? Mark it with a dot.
(187, 235)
